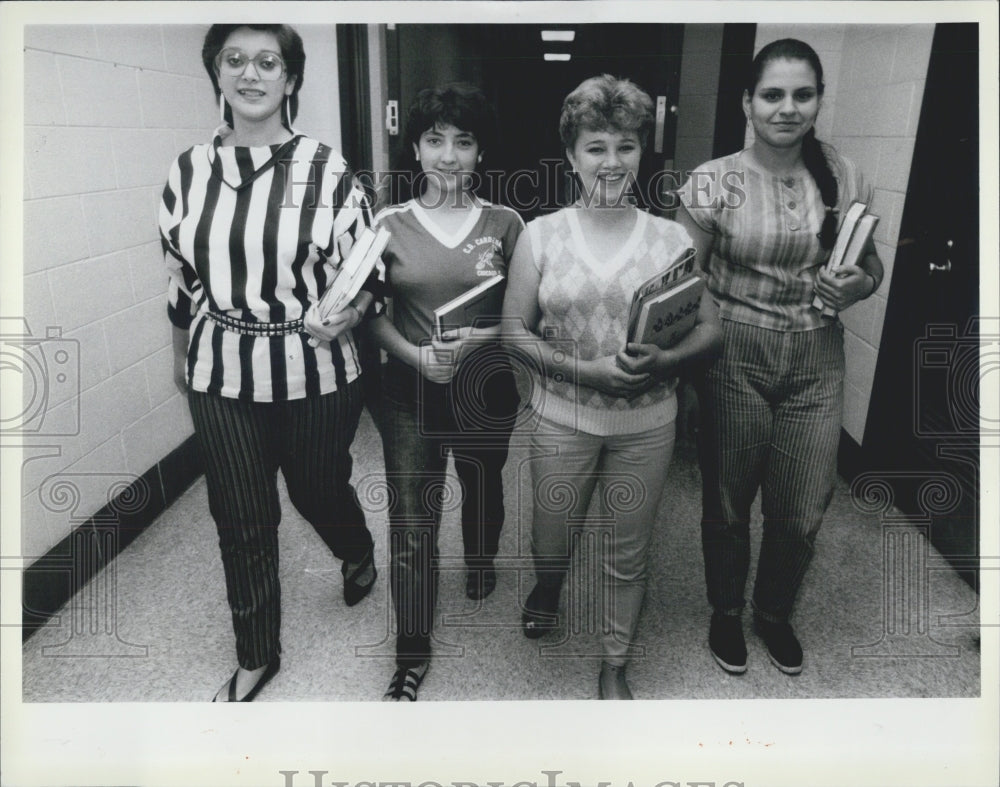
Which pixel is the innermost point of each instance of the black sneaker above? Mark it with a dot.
(725, 640)
(782, 645)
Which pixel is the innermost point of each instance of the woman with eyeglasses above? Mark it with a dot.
(254, 225)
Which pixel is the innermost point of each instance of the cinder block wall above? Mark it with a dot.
(882, 78)
(875, 76)
(107, 107)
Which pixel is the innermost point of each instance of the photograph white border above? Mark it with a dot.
(750, 742)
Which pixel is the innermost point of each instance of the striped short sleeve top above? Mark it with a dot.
(256, 233)
(766, 253)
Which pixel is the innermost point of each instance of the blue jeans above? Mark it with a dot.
(471, 418)
(772, 407)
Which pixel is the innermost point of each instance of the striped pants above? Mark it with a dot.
(771, 416)
(243, 445)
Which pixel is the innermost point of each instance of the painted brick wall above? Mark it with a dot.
(107, 108)
(875, 77)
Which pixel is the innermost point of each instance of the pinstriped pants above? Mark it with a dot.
(772, 407)
(243, 445)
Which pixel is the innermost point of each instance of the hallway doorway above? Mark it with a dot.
(507, 61)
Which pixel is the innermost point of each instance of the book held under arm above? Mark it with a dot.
(665, 308)
(478, 307)
(354, 270)
(849, 248)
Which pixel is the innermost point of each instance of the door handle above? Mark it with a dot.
(661, 116)
(947, 261)
(392, 118)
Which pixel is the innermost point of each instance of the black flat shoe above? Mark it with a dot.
(539, 616)
(354, 591)
(265, 676)
(783, 646)
(726, 641)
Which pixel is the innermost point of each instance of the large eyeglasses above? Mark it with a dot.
(233, 63)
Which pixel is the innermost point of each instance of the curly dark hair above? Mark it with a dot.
(292, 52)
(457, 104)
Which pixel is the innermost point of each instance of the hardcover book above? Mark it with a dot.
(354, 270)
(665, 307)
(667, 316)
(480, 307)
(852, 239)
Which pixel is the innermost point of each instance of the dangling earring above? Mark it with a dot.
(222, 108)
(288, 112)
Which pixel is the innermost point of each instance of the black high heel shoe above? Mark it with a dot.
(354, 591)
(540, 608)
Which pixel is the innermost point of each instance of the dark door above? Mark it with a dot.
(924, 414)
(507, 62)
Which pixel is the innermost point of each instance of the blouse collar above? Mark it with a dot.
(226, 160)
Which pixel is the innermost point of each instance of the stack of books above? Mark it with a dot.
(354, 270)
(849, 248)
(665, 308)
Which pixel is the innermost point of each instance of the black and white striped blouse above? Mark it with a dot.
(256, 233)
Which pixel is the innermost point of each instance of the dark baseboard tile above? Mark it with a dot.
(50, 582)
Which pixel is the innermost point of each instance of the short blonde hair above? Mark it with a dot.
(606, 103)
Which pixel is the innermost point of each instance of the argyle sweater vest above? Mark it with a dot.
(584, 304)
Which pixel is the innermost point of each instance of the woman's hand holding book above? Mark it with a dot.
(611, 375)
(329, 328)
(844, 287)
